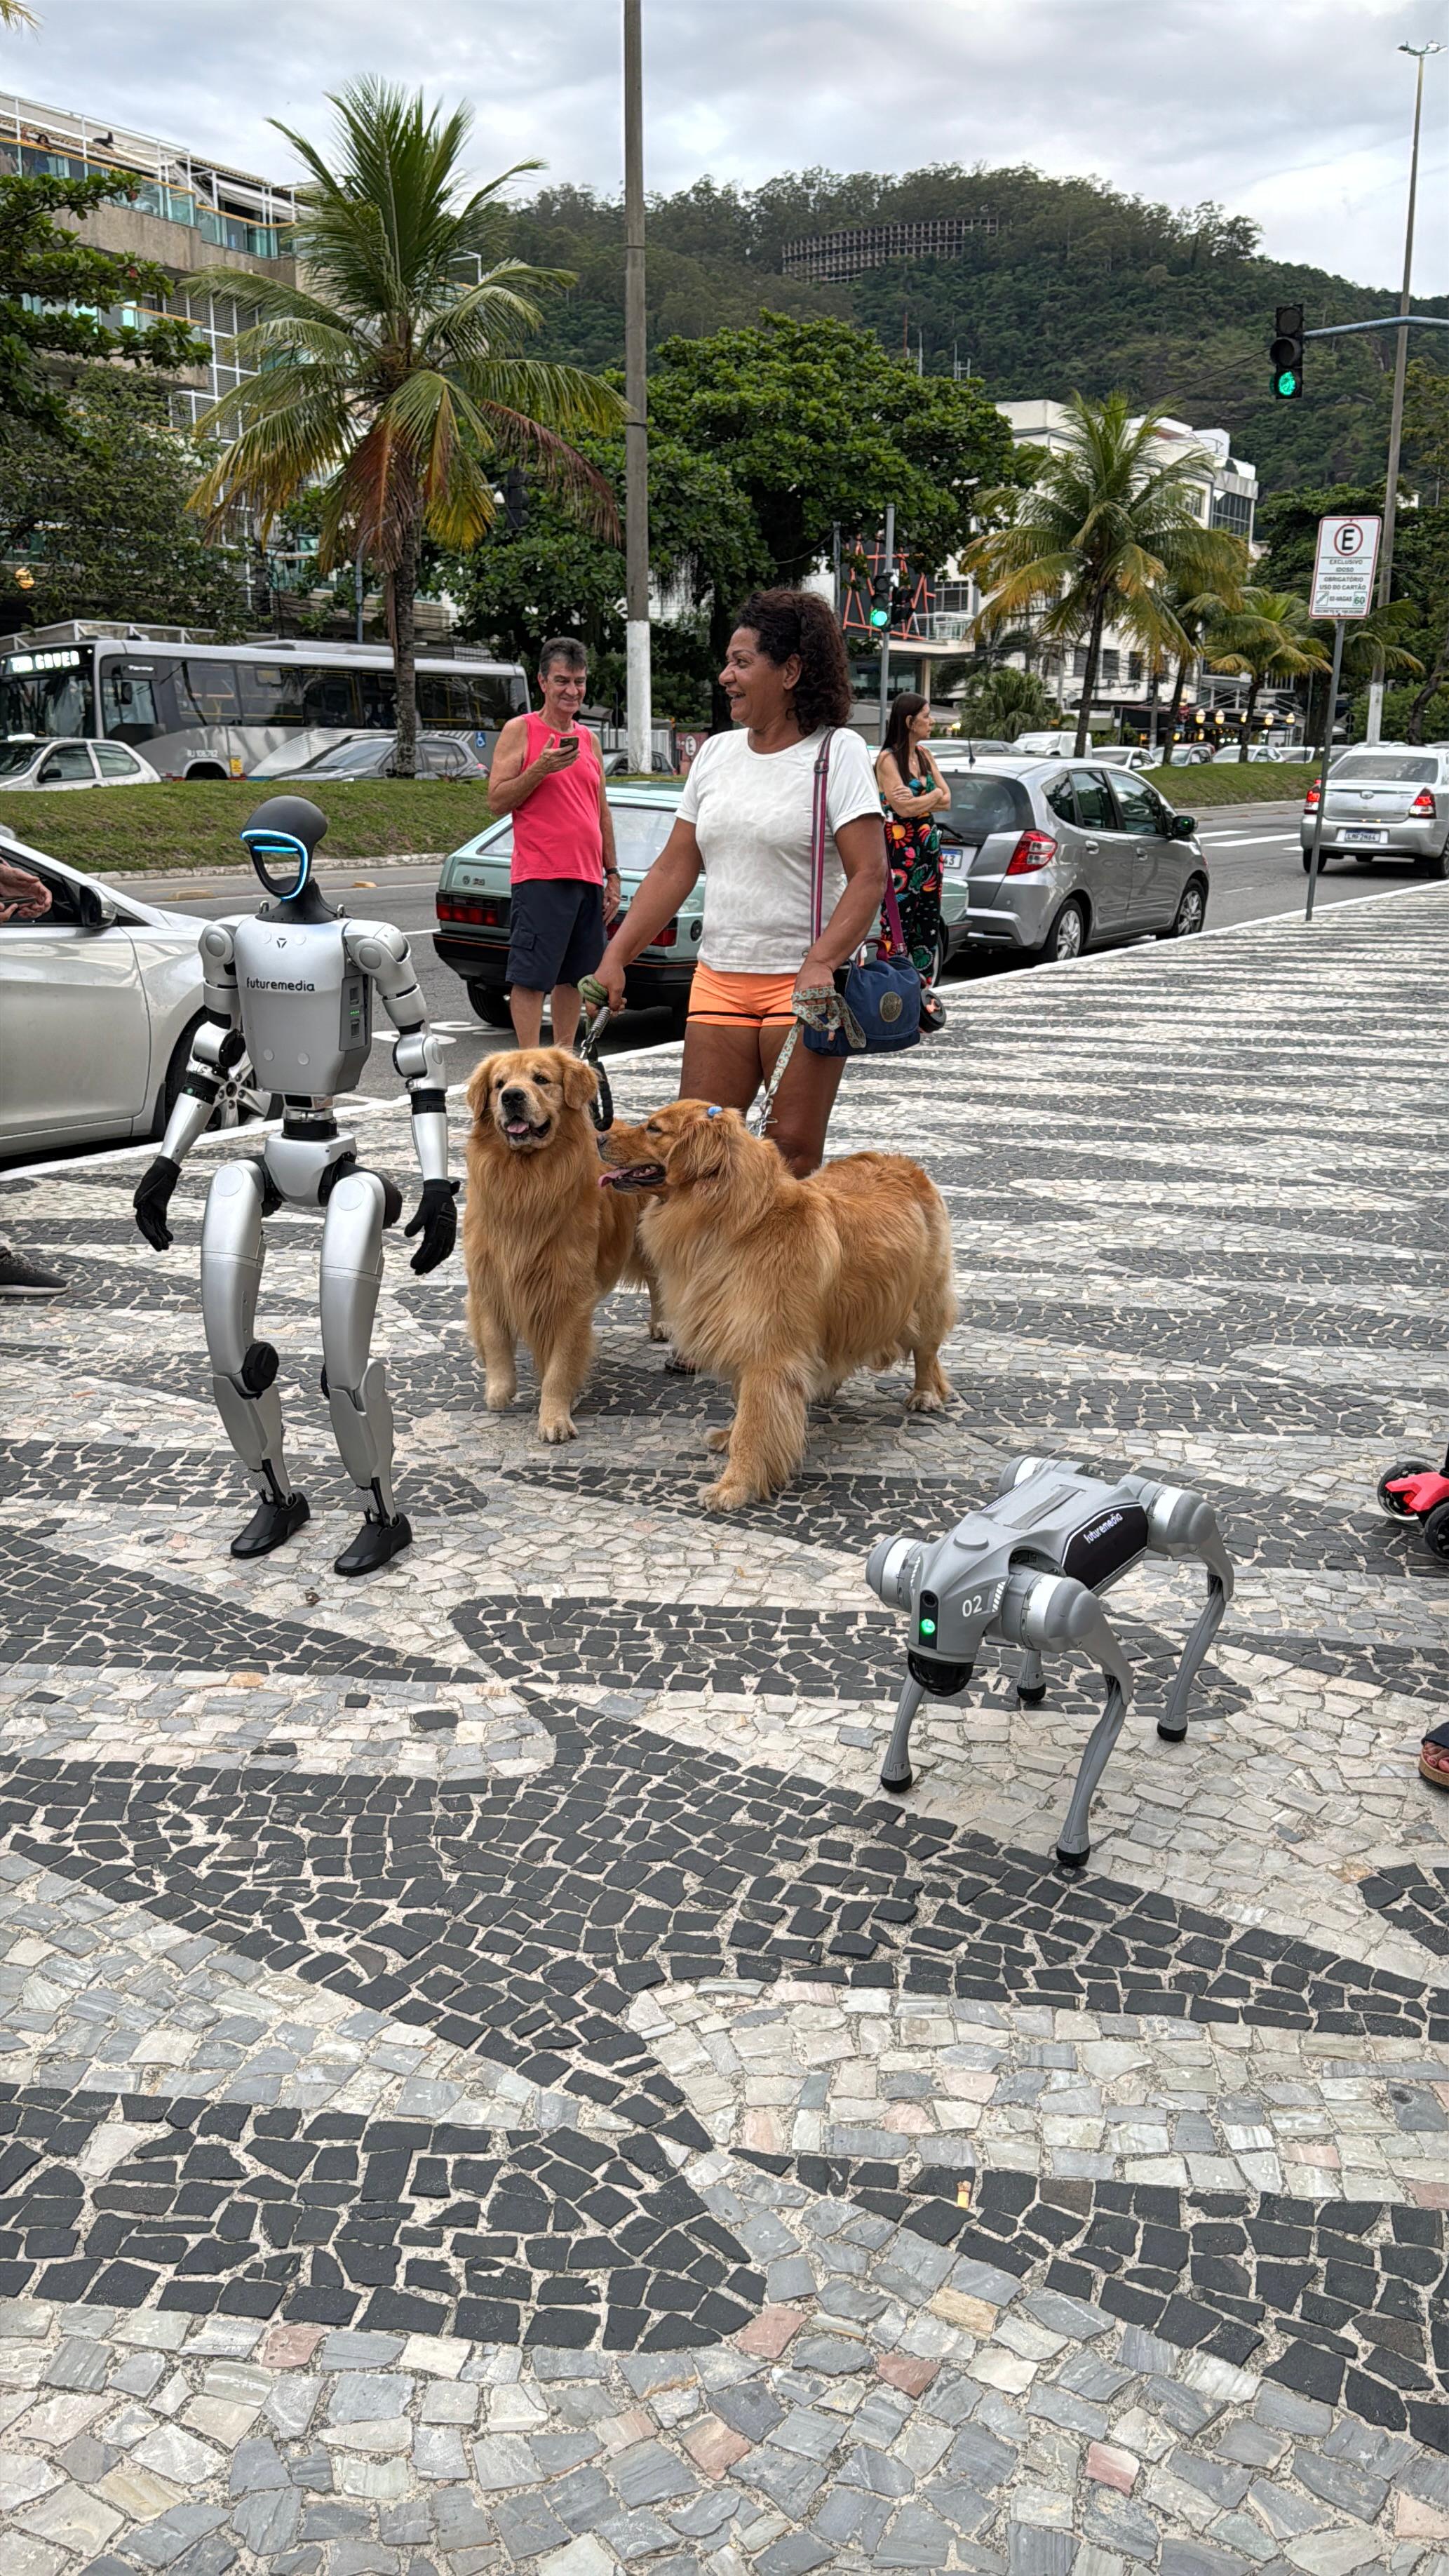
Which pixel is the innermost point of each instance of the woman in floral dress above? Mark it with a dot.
(912, 794)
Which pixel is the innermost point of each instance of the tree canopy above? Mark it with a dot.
(101, 514)
(56, 289)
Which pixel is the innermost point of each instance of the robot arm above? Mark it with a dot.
(216, 1046)
(383, 953)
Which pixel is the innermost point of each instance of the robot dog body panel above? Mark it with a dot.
(294, 984)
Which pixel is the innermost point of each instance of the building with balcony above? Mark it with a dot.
(832, 259)
(188, 213)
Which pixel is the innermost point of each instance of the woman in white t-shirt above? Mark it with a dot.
(745, 820)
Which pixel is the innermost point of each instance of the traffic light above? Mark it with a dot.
(515, 499)
(882, 594)
(1286, 351)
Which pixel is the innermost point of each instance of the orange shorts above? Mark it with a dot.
(740, 1001)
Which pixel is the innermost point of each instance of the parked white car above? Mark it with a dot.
(99, 994)
(75, 760)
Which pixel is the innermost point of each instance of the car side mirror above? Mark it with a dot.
(1183, 827)
(97, 909)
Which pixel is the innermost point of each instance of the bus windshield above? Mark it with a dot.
(37, 697)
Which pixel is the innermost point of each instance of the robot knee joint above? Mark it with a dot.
(259, 1368)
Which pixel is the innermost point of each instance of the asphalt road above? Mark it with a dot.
(1252, 851)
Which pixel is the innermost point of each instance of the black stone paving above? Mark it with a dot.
(62, 1609)
(394, 2225)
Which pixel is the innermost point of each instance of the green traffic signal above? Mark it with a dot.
(880, 617)
(1285, 384)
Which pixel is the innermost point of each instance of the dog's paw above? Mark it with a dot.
(558, 1427)
(925, 1400)
(658, 1332)
(730, 1494)
(718, 1439)
(498, 1395)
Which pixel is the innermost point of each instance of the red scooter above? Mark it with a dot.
(1416, 1490)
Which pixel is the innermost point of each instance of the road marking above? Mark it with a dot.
(1245, 840)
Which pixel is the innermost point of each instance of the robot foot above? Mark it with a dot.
(271, 1525)
(376, 1543)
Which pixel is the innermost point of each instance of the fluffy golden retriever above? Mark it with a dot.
(541, 1241)
(785, 1287)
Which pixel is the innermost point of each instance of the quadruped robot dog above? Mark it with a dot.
(1027, 1570)
(292, 985)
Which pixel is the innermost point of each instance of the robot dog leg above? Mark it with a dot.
(243, 1370)
(356, 1386)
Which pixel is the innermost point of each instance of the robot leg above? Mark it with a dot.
(356, 1387)
(243, 1370)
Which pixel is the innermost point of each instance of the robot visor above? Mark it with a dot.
(281, 861)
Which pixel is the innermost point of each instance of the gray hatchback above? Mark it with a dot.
(1054, 856)
(1388, 803)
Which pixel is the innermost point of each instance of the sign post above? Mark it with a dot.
(1343, 587)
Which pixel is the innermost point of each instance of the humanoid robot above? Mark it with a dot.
(291, 985)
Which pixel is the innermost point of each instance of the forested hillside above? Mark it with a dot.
(1079, 288)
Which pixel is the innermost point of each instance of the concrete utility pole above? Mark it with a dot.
(636, 387)
(1374, 725)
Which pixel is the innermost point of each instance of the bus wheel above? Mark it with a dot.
(206, 769)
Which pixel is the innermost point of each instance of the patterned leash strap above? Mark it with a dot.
(816, 1006)
(596, 1002)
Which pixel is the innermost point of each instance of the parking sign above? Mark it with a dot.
(1344, 566)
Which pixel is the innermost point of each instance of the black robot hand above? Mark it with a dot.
(436, 1220)
(152, 1200)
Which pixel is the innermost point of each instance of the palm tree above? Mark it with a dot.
(391, 380)
(1195, 611)
(1096, 538)
(1005, 703)
(1267, 638)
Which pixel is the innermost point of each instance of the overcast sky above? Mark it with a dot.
(1295, 112)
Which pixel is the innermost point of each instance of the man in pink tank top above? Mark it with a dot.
(548, 775)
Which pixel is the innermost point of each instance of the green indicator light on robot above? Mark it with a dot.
(926, 1615)
(928, 1627)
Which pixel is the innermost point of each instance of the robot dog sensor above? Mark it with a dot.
(1028, 1570)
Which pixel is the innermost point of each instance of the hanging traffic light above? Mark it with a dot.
(1286, 351)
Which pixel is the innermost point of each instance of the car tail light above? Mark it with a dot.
(666, 937)
(1423, 804)
(1310, 801)
(1034, 850)
(480, 911)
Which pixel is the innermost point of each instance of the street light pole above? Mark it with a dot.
(1374, 726)
(636, 388)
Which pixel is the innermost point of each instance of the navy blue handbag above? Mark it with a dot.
(881, 995)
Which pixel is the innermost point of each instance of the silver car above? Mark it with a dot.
(1388, 803)
(99, 995)
(72, 761)
(1055, 856)
(370, 755)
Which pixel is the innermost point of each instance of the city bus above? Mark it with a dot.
(201, 710)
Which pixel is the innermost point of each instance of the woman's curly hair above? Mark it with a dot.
(799, 621)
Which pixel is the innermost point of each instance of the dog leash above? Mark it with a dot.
(817, 1006)
(595, 999)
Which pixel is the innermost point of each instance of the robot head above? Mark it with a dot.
(280, 840)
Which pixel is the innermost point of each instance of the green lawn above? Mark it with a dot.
(194, 823)
(1253, 782)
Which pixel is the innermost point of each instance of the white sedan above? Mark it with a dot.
(74, 761)
(99, 994)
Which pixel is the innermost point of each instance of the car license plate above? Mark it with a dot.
(954, 863)
(1363, 836)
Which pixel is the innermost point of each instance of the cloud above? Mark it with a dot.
(1297, 114)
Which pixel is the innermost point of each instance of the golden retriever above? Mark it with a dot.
(783, 1286)
(541, 1241)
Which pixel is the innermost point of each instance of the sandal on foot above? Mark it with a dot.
(1436, 1773)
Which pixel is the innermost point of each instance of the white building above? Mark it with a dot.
(1225, 492)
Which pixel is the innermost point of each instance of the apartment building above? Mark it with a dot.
(188, 213)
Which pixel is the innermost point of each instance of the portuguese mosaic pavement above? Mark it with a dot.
(489, 2081)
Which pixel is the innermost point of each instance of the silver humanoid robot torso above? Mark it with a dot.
(293, 984)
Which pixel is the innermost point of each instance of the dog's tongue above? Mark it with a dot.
(632, 1176)
(516, 1127)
